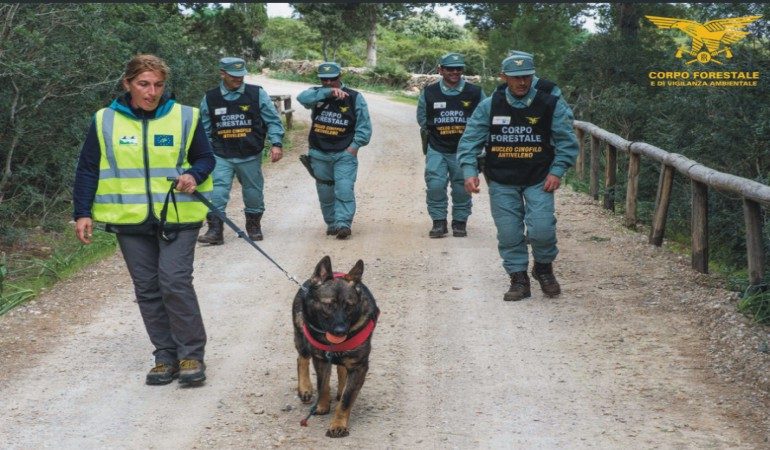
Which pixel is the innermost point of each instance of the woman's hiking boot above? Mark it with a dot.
(192, 371)
(162, 373)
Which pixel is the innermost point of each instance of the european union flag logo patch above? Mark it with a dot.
(164, 140)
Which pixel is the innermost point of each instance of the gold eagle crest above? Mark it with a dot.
(533, 120)
(713, 35)
(344, 108)
(244, 108)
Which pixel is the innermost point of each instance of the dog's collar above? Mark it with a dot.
(349, 344)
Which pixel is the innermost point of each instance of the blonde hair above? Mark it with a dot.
(145, 63)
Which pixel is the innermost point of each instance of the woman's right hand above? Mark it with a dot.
(84, 229)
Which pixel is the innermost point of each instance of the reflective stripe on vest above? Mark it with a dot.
(128, 147)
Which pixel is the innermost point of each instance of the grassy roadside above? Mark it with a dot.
(43, 257)
(754, 302)
(46, 258)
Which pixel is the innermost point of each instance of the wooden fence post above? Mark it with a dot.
(580, 163)
(662, 200)
(610, 175)
(632, 188)
(288, 111)
(593, 187)
(699, 226)
(754, 247)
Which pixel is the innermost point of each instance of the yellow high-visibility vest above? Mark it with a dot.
(137, 156)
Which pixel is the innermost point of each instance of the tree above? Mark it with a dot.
(341, 22)
(485, 17)
(59, 63)
(289, 38)
(234, 31)
(428, 24)
(327, 19)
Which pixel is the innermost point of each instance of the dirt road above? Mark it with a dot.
(637, 352)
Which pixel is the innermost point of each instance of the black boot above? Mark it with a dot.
(458, 229)
(253, 227)
(519, 287)
(439, 229)
(214, 235)
(543, 273)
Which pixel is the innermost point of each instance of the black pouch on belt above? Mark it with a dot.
(305, 160)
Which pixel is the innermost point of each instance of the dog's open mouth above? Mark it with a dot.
(334, 339)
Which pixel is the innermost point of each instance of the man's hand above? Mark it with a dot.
(472, 185)
(552, 182)
(352, 151)
(84, 229)
(339, 94)
(186, 183)
(276, 153)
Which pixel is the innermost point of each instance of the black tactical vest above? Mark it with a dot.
(237, 128)
(519, 151)
(447, 114)
(334, 123)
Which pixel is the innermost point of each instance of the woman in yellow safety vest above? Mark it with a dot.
(132, 148)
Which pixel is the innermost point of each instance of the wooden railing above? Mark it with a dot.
(701, 179)
(283, 106)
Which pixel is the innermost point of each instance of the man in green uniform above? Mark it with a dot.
(530, 144)
(341, 126)
(238, 117)
(443, 108)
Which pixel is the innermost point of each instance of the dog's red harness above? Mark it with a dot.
(350, 343)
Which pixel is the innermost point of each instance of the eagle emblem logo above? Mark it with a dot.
(466, 103)
(344, 108)
(532, 120)
(244, 108)
(715, 35)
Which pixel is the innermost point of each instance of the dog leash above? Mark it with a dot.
(241, 234)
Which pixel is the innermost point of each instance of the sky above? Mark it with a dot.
(284, 10)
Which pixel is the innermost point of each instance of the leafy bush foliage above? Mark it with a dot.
(61, 63)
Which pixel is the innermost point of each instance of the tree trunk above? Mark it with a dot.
(628, 20)
(371, 44)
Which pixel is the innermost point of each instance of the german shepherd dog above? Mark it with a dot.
(334, 316)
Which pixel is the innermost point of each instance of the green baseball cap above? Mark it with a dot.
(518, 65)
(233, 66)
(452, 60)
(329, 70)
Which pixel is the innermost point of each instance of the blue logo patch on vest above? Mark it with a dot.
(164, 140)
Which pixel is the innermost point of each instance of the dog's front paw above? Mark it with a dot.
(337, 432)
(305, 396)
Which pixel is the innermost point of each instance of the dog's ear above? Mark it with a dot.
(323, 271)
(356, 272)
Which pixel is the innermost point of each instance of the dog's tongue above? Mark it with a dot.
(335, 339)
